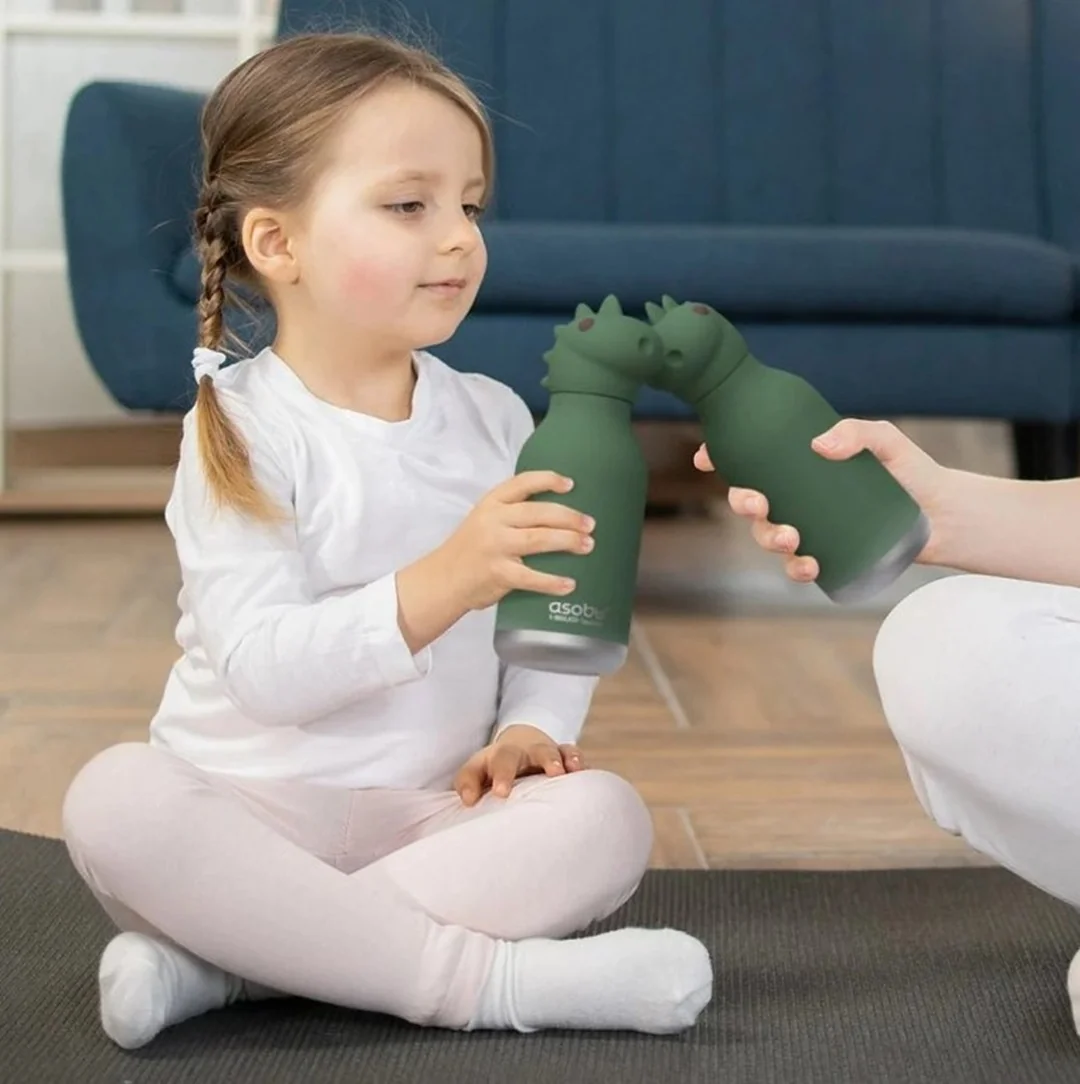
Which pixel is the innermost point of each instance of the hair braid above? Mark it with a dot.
(224, 453)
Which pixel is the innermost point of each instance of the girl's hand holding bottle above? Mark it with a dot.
(482, 560)
(486, 550)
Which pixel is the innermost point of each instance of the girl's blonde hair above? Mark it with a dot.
(264, 138)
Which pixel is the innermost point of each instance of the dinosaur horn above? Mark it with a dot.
(610, 306)
(654, 312)
(669, 302)
(546, 357)
(582, 311)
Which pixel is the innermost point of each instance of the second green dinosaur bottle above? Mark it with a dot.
(859, 523)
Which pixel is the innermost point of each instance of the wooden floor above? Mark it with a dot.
(746, 714)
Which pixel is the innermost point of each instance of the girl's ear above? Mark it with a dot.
(268, 247)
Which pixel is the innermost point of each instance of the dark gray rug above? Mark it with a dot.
(869, 978)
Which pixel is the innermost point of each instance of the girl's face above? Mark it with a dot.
(389, 245)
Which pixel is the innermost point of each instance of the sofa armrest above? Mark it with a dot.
(129, 175)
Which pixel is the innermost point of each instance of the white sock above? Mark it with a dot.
(1073, 986)
(147, 985)
(655, 981)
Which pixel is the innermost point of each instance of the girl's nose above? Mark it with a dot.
(462, 234)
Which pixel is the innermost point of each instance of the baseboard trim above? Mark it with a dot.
(127, 469)
(153, 443)
(86, 490)
(105, 469)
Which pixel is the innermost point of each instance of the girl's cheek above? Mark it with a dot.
(365, 280)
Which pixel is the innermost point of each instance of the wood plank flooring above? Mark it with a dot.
(746, 714)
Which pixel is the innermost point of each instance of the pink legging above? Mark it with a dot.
(383, 900)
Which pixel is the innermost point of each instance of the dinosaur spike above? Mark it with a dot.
(669, 302)
(654, 312)
(582, 311)
(610, 306)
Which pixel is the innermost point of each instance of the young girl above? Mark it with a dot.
(328, 805)
(978, 673)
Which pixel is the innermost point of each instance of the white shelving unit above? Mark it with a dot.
(48, 49)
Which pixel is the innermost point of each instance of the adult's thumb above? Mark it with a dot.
(853, 435)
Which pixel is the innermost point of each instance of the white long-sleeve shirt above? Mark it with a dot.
(294, 665)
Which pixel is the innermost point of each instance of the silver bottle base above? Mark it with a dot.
(887, 569)
(559, 652)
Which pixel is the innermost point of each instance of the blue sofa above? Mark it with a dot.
(883, 194)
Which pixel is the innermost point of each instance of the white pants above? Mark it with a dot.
(980, 682)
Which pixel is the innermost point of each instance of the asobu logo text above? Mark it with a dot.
(576, 613)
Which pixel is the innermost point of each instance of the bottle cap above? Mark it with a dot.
(701, 348)
(603, 353)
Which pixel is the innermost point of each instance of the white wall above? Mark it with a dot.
(48, 49)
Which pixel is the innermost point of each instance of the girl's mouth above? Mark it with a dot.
(446, 288)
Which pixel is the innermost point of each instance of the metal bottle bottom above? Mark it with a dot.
(559, 652)
(886, 569)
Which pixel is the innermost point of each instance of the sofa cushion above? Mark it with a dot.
(771, 272)
(782, 272)
(958, 113)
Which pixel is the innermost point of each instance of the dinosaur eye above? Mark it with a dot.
(586, 323)
(701, 310)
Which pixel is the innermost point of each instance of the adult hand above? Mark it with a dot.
(921, 475)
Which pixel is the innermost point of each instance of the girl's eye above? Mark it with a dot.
(410, 207)
(474, 211)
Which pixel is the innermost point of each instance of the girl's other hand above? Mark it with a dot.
(519, 750)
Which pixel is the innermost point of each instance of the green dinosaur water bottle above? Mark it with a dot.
(595, 370)
(860, 524)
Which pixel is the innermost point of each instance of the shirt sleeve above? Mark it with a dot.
(284, 657)
(557, 704)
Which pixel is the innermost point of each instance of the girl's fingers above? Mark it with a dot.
(572, 758)
(549, 760)
(470, 780)
(504, 766)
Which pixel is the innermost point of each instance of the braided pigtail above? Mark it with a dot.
(222, 449)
